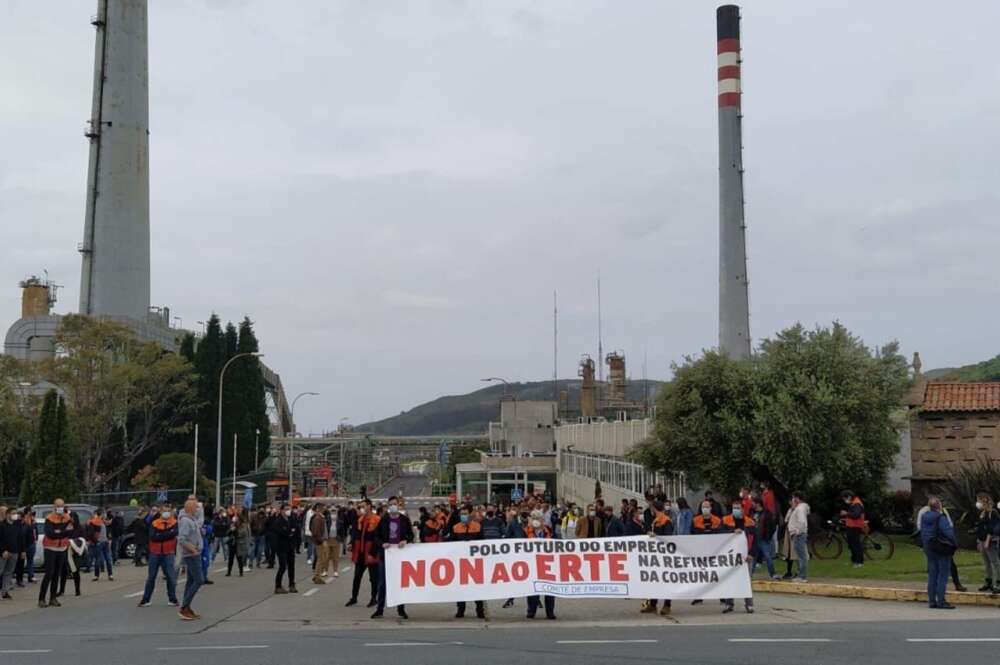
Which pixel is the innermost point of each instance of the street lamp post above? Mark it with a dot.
(291, 451)
(256, 451)
(218, 433)
(506, 384)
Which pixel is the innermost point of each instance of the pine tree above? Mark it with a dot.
(52, 461)
(253, 400)
(208, 361)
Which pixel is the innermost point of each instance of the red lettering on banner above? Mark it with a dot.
(595, 565)
(543, 562)
(442, 572)
(470, 570)
(410, 573)
(569, 568)
(616, 568)
(500, 574)
(520, 571)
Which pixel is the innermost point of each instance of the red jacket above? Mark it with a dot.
(364, 544)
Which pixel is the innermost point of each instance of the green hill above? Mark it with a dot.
(472, 413)
(988, 370)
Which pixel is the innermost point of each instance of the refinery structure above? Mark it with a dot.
(115, 265)
(116, 285)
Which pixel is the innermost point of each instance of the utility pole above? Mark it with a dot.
(194, 485)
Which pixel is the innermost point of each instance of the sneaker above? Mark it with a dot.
(352, 602)
(336, 574)
(6, 596)
(945, 606)
(727, 609)
(801, 580)
(186, 614)
(749, 609)
(776, 578)
(402, 614)
(372, 603)
(111, 579)
(292, 589)
(172, 603)
(665, 611)
(280, 591)
(319, 580)
(508, 603)
(208, 582)
(96, 579)
(648, 608)
(324, 574)
(54, 603)
(42, 604)
(144, 603)
(377, 614)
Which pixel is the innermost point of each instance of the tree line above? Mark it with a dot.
(116, 405)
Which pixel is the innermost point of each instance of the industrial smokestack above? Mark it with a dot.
(734, 307)
(115, 247)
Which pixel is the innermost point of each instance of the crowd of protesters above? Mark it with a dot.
(172, 543)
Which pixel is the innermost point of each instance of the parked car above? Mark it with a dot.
(85, 512)
(126, 549)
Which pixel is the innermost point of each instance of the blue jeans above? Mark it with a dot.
(938, 569)
(310, 550)
(164, 562)
(258, 550)
(801, 544)
(100, 554)
(765, 550)
(194, 578)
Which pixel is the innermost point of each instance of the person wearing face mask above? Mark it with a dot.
(55, 542)
(988, 541)
(284, 529)
(363, 553)
(394, 530)
(660, 525)
(538, 529)
(162, 555)
(493, 524)
(570, 521)
(10, 549)
(737, 522)
(590, 526)
(467, 529)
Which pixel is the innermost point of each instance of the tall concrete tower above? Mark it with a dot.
(734, 306)
(115, 247)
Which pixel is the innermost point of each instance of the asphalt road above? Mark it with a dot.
(410, 486)
(245, 624)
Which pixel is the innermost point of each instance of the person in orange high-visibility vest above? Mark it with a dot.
(538, 529)
(363, 553)
(854, 520)
(659, 525)
(739, 522)
(467, 529)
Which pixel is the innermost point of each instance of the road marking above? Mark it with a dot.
(133, 595)
(220, 570)
(311, 591)
(606, 641)
(345, 569)
(953, 639)
(216, 648)
(779, 639)
(14, 651)
(412, 644)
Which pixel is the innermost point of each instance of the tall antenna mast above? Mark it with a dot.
(555, 347)
(600, 339)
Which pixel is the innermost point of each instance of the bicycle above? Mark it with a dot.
(829, 543)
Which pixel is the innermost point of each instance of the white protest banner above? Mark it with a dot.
(674, 567)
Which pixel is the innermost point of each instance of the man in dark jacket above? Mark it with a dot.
(11, 549)
(117, 531)
(613, 527)
(283, 530)
(140, 536)
(394, 530)
(493, 524)
(766, 525)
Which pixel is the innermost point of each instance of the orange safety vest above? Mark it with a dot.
(163, 546)
(856, 523)
(698, 524)
(57, 543)
(470, 528)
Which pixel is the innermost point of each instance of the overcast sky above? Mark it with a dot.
(392, 190)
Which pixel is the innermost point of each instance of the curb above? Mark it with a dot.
(871, 593)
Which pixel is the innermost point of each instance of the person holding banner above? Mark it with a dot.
(707, 522)
(738, 522)
(394, 530)
(537, 529)
(467, 529)
(660, 525)
(363, 553)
